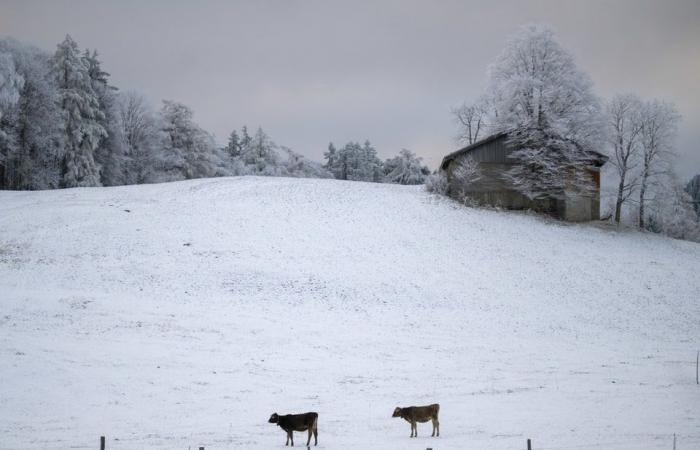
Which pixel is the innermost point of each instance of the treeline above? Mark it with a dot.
(63, 124)
(360, 163)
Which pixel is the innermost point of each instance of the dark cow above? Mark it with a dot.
(422, 414)
(297, 422)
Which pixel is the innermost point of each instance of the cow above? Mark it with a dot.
(297, 422)
(413, 414)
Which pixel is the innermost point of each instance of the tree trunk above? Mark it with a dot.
(618, 203)
(642, 191)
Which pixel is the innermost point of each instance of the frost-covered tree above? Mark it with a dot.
(111, 151)
(659, 126)
(355, 162)
(406, 168)
(260, 154)
(81, 109)
(624, 114)
(673, 213)
(693, 190)
(436, 183)
(546, 105)
(33, 127)
(186, 150)
(11, 82)
(140, 129)
(330, 156)
(233, 147)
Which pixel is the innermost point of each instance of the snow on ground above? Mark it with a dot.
(176, 315)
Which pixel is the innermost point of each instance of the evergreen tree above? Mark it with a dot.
(693, 190)
(82, 114)
(187, 150)
(233, 148)
(245, 138)
(111, 151)
(330, 157)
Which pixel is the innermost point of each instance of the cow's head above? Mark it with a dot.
(397, 412)
(274, 418)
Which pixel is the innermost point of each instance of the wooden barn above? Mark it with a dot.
(492, 158)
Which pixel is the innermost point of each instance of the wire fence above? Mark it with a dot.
(652, 442)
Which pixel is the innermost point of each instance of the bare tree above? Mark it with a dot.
(625, 116)
(659, 126)
(140, 132)
(468, 171)
(472, 121)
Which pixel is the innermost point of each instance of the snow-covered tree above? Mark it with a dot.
(330, 157)
(111, 151)
(186, 150)
(82, 114)
(140, 129)
(468, 171)
(624, 114)
(233, 147)
(659, 126)
(406, 168)
(693, 190)
(673, 213)
(436, 183)
(260, 154)
(32, 148)
(11, 82)
(546, 105)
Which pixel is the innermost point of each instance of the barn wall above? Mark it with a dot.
(492, 189)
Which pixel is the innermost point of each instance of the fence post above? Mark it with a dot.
(697, 363)
(201, 448)
(102, 443)
(529, 445)
(674, 441)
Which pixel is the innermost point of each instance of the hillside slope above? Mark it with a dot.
(183, 314)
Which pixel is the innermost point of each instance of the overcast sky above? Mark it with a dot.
(311, 72)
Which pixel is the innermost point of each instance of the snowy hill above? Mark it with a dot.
(183, 314)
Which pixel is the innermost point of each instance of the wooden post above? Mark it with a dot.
(697, 363)
(201, 448)
(674, 441)
(529, 445)
(102, 443)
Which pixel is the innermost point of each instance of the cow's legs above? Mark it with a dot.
(287, 443)
(310, 433)
(436, 426)
(315, 436)
(414, 429)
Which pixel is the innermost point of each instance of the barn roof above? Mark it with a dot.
(446, 160)
(598, 159)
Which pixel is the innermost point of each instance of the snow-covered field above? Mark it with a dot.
(177, 315)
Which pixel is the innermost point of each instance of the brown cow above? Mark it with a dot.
(422, 414)
(297, 422)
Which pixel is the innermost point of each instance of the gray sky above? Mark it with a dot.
(314, 71)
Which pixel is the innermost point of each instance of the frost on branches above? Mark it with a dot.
(82, 114)
(546, 106)
(406, 168)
